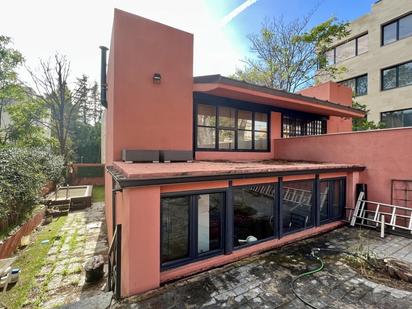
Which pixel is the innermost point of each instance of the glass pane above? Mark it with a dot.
(297, 205)
(362, 85)
(389, 78)
(337, 208)
(244, 120)
(389, 33)
(244, 139)
(227, 117)
(226, 139)
(405, 74)
(330, 57)
(392, 119)
(362, 44)
(209, 220)
(324, 189)
(206, 115)
(407, 118)
(261, 122)
(175, 228)
(351, 83)
(345, 51)
(206, 137)
(405, 27)
(261, 141)
(253, 213)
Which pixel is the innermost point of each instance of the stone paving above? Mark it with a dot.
(264, 281)
(62, 278)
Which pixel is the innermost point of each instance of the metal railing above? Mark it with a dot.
(115, 262)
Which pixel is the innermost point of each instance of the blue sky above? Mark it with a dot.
(76, 28)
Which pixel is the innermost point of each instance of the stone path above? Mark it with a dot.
(62, 279)
(264, 281)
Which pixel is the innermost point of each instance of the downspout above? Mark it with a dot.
(103, 77)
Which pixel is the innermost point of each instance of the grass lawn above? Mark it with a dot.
(30, 261)
(98, 194)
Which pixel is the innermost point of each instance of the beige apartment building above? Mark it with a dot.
(377, 56)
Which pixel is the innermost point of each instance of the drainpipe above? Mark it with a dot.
(103, 78)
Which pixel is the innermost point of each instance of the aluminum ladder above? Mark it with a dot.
(374, 214)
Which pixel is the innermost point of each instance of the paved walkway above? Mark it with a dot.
(62, 279)
(264, 281)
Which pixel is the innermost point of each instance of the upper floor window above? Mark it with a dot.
(397, 76)
(293, 126)
(352, 48)
(397, 30)
(399, 118)
(231, 129)
(358, 84)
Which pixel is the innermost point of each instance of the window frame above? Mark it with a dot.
(342, 198)
(323, 125)
(236, 129)
(193, 228)
(356, 78)
(394, 20)
(396, 66)
(356, 38)
(394, 111)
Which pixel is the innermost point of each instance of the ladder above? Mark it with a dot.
(374, 214)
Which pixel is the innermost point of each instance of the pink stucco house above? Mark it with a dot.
(247, 168)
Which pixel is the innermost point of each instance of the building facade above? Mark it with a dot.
(377, 56)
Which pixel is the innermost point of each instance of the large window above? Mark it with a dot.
(254, 218)
(298, 205)
(349, 49)
(230, 129)
(293, 126)
(359, 85)
(399, 118)
(397, 76)
(191, 227)
(332, 199)
(397, 30)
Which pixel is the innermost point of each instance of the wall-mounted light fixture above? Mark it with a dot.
(157, 78)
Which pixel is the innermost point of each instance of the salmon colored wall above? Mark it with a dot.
(335, 93)
(385, 153)
(194, 186)
(275, 131)
(108, 203)
(141, 114)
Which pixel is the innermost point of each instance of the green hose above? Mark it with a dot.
(304, 275)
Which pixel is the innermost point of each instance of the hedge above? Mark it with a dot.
(90, 171)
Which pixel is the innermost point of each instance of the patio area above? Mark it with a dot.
(264, 281)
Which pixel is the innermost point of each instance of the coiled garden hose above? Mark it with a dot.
(308, 273)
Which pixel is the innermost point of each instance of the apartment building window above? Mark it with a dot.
(352, 48)
(293, 126)
(359, 85)
(398, 118)
(230, 129)
(397, 76)
(397, 30)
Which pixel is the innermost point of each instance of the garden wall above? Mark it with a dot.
(86, 174)
(9, 245)
(387, 155)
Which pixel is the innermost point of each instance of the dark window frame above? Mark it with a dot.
(396, 66)
(319, 129)
(342, 198)
(394, 111)
(395, 20)
(356, 38)
(218, 128)
(356, 78)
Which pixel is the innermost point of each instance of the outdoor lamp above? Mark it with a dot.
(156, 78)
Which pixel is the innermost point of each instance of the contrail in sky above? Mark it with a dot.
(228, 18)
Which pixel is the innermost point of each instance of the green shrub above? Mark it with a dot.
(23, 173)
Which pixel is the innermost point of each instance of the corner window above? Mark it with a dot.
(397, 76)
(293, 126)
(397, 30)
(399, 118)
(230, 129)
(359, 85)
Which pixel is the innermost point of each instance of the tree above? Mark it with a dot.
(362, 124)
(62, 102)
(10, 88)
(87, 142)
(287, 56)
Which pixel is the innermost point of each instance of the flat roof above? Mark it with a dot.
(130, 174)
(227, 87)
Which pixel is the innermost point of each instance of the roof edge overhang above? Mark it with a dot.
(231, 88)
